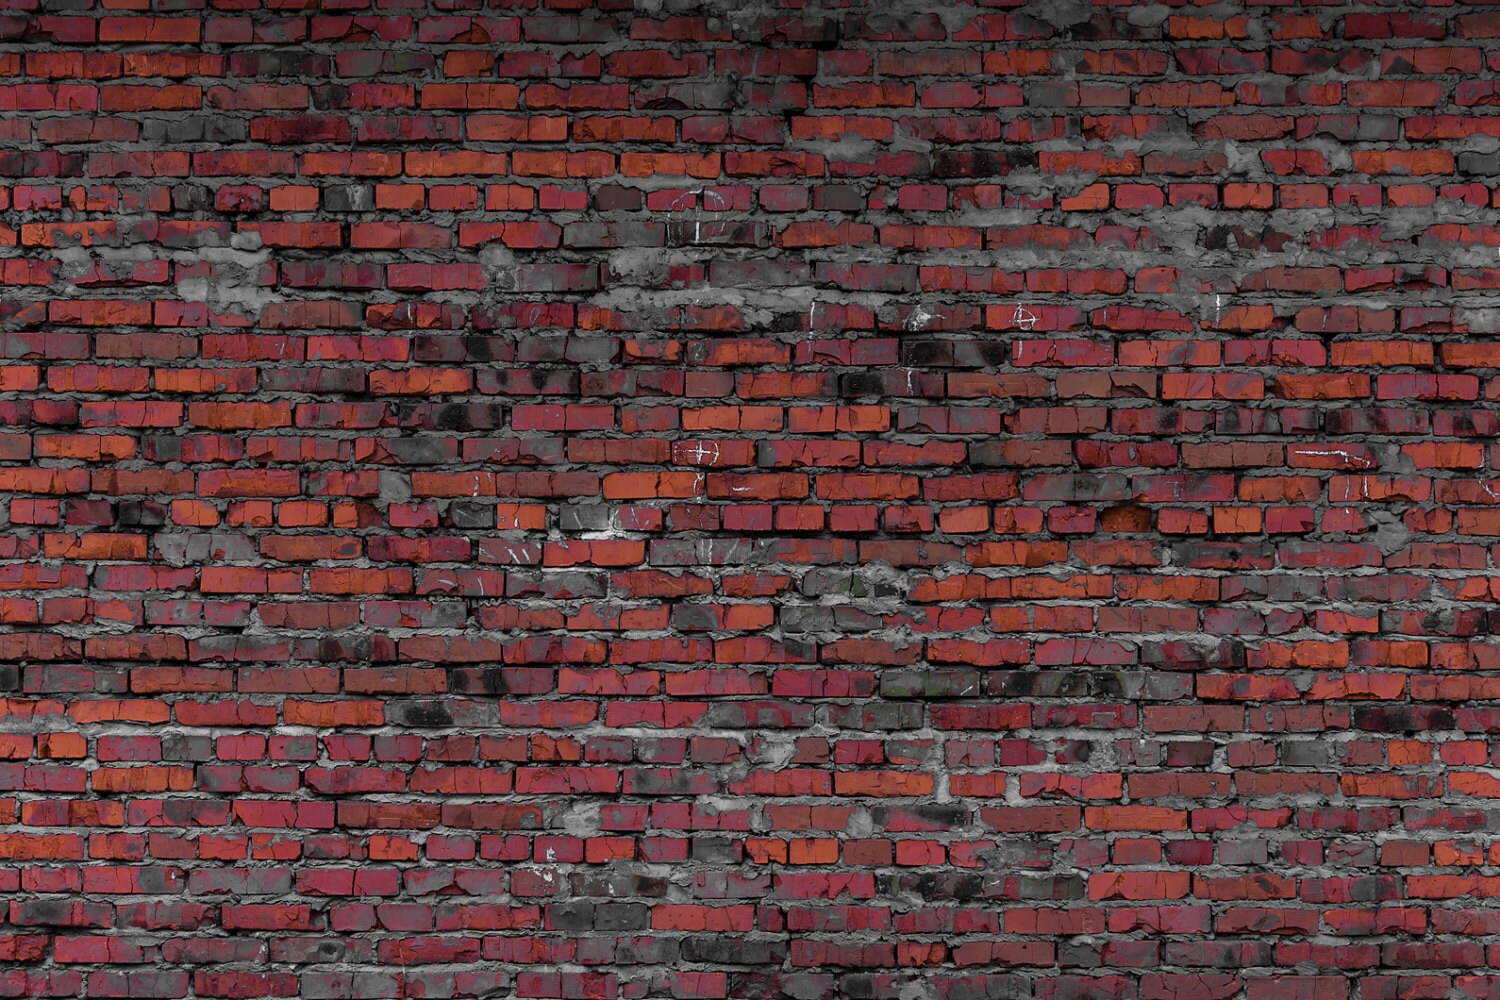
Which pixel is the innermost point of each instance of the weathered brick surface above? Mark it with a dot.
(911, 500)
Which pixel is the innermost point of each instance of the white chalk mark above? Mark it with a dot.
(699, 452)
(1341, 453)
(1023, 317)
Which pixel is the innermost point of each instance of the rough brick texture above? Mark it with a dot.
(873, 501)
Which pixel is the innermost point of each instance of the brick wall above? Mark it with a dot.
(900, 501)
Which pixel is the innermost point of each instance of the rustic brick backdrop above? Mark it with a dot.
(866, 501)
